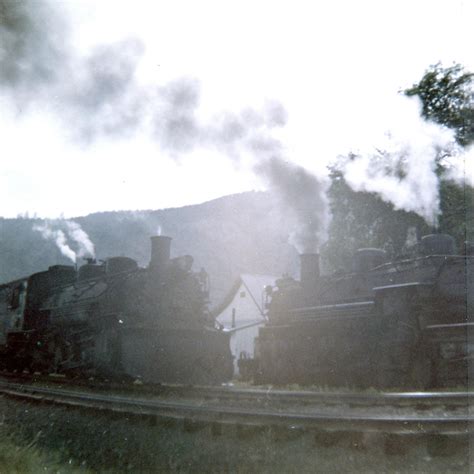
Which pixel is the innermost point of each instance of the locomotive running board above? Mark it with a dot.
(414, 284)
(347, 310)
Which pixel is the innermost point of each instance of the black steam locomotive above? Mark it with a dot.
(406, 323)
(114, 318)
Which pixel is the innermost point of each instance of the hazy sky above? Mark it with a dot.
(334, 66)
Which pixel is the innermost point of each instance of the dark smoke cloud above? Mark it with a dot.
(93, 96)
(175, 123)
(103, 96)
(31, 57)
(99, 96)
(178, 129)
(303, 196)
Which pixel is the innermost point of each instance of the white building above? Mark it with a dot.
(242, 313)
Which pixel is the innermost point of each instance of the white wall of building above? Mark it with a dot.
(243, 316)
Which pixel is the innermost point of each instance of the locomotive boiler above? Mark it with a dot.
(114, 318)
(404, 324)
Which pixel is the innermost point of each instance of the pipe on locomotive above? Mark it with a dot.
(160, 251)
(309, 276)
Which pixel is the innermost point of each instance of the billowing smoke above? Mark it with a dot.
(402, 169)
(58, 237)
(460, 166)
(92, 96)
(67, 234)
(178, 129)
(175, 124)
(84, 246)
(249, 132)
(103, 96)
(303, 195)
(32, 48)
(99, 95)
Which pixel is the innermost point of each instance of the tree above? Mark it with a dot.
(362, 219)
(447, 97)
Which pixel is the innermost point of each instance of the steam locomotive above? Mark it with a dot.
(405, 323)
(114, 318)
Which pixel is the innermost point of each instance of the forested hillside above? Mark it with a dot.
(227, 236)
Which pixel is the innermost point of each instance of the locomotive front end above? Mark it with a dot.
(172, 337)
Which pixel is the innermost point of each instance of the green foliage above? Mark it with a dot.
(104, 443)
(447, 97)
(361, 219)
(17, 456)
(457, 211)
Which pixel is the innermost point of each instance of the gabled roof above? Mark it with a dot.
(254, 284)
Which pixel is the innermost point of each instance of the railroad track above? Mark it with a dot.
(420, 400)
(440, 413)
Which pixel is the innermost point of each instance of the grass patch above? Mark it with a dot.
(16, 456)
(104, 443)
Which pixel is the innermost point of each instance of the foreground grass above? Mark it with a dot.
(103, 443)
(26, 458)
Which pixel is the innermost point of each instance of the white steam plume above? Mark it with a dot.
(85, 246)
(60, 232)
(58, 237)
(460, 166)
(402, 170)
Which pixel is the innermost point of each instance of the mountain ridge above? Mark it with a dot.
(230, 235)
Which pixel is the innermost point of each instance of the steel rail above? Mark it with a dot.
(258, 394)
(357, 398)
(318, 418)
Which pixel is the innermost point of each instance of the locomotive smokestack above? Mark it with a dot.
(309, 275)
(160, 251)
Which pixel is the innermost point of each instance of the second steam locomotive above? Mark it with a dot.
(117, 319)
(405, 323)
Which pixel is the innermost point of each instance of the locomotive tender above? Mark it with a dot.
(114, 318)
(405, 324)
